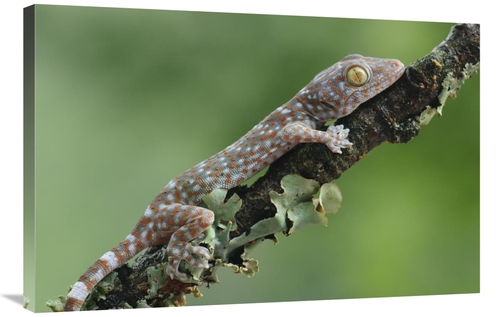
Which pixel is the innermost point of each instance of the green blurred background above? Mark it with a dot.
(127, 99)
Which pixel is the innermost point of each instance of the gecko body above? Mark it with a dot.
(173, 216)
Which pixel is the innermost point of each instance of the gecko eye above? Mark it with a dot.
(357, 75)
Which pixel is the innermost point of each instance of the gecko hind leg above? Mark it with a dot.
(191, 222)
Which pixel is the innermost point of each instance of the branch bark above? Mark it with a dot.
(392, 116)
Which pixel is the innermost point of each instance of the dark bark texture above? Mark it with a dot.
(392, 116)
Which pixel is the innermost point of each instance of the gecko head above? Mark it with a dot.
(353, 80)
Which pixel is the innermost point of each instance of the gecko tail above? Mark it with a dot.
(111, 260)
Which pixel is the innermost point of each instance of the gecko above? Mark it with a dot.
(173, 216)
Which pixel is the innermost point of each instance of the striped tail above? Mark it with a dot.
(111, 260)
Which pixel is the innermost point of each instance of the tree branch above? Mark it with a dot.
(393, 116)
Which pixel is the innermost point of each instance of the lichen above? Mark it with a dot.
(56, 305)
(330, 199)
(295, 209)
(451, 85)
(142, 303)
(156, 279)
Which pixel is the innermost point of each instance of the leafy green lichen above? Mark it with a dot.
(330, 199)
(295, 209)
(156, 279)
(56, 305)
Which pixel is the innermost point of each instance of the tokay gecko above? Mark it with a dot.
(173, 216)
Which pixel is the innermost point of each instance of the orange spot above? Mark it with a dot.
(193, 232)
(269, 136)
(153, 207)
(120, 257)
(177, 196)
(103, 264)
(138, 244)
(145, 221)
(89, 285)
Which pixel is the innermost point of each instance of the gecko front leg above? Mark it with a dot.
(335, 137)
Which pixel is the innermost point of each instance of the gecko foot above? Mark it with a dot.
(336, 138)
(195, 256)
